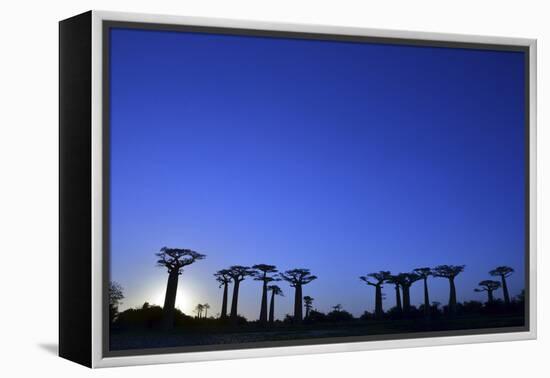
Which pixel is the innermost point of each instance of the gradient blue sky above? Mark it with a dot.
(345, 158)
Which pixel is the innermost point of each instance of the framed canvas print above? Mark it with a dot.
(235, 189)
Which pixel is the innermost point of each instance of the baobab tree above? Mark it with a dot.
(424, 273)
(174, 260)
(449, 272)
(337, 308)
(396, 281)
(198, 310)
(223, 277)
(406, 280)
(308, 304)
(503, 272)
(298, 278)
(379, 278)
(489, 286)
(205, 306)
(262, 274)
(275, 290)
(237, 273)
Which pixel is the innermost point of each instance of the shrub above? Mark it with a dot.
(339, 316)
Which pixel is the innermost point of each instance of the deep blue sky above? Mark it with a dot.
(345, 158)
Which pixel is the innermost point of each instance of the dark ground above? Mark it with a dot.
(179, 337)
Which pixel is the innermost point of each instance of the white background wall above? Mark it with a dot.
(28, 186)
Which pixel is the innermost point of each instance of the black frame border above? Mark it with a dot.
(75, 189)
(107, 25)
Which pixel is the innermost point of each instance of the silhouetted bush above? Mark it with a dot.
(413, 313)
(339, 316)
(472, 307)
(182, 320)
(145, 317)
(517, 306)
(315, 316)
(434, 311)
(367, 316)
(289, 319)
(240, 320)
(394, 313)
(150, 317)
(520, 297)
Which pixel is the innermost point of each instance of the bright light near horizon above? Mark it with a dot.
(184, 301)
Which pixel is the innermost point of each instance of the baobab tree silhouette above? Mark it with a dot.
(223, 277)
(237, 273)
(337, 308)
(503, 272)
(198, 309)
(297, 278)
(396, 281)
(449, 272)
(275, 290)
(262, 274)
(489, 286)
(406, 280)
(424, 273)
(174, 259)
(205, 306)
(380, 278)
(308, 304)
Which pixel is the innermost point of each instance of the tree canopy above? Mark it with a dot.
(262, 271)
(448, 271)
(174, 259)
(488, 285)
(276, 290)
(505, 271)
(423, 272)
(299, 276)
(380, 277)
(223, 276)
(240, 272)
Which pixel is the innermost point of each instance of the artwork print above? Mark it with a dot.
(285, 190)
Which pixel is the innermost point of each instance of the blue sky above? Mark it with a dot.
(345, 158)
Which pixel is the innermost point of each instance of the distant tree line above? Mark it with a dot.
(175, 259)
(403, 281)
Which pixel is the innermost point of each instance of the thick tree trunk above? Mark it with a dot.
(452, 296)
(426, 298)
(298, 304)
(307, 312)
(223, 314)
(406, 298)
(170, 300)
(235, 299)
(378, 305)
(490, 296)
(272, 308)
(398, 298)
(505, 291)
(263, 307)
